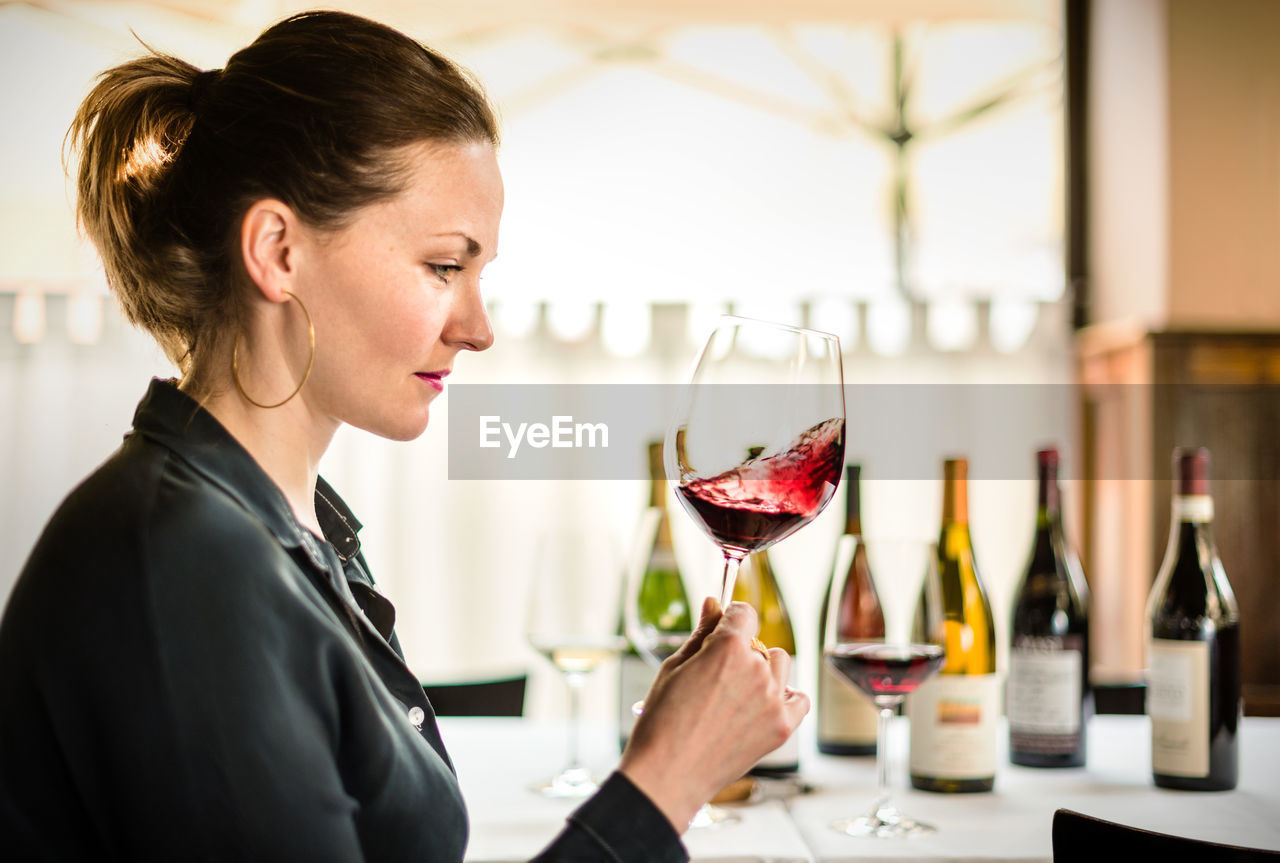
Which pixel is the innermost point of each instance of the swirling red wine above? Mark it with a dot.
(886, 669)
(766, 499)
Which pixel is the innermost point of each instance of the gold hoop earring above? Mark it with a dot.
(235, 363)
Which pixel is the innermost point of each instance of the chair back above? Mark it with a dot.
(1081, 838)
(501, 697)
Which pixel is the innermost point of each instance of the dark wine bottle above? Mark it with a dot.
(1193, 646)
(663, 602)
(757, 585)
(955, 713)
(846, 716)
(1049, 701)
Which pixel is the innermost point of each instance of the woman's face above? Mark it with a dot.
(395, 295)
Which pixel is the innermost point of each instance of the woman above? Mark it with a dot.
(194, 663)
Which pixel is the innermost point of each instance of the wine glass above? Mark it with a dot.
(658, 619)
(887, 671)
(574, 576)
(756, 448)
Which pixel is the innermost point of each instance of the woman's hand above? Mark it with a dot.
(717, 706)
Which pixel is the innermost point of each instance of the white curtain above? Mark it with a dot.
(639, 170)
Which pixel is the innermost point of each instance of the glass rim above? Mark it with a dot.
(804, 331)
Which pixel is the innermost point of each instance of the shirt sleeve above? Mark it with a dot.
(620, 824)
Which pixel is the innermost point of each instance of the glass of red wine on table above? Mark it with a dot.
(888, 671)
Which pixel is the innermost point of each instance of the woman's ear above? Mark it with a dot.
(268, 237)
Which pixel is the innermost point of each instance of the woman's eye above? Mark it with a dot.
(445, 271)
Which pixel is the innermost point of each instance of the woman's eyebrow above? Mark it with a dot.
(473, 247)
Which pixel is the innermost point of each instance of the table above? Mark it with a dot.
(497, 759)
(1012, 823)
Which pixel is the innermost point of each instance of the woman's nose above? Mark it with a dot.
(468, 327)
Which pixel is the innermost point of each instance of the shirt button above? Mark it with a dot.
(417, 717)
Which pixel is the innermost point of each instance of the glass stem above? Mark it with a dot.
(575, 681)
(731, 563)
(882, 753)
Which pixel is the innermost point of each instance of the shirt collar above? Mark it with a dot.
(173, 419)
(339, 524)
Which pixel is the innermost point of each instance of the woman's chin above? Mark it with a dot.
(401, 428)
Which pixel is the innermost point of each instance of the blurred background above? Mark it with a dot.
(1083, 196)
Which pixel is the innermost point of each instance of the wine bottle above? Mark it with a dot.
(663, 602)
(758, 587)
(1048, 700)
(1193, 646)
(846, 716)
(955, 714)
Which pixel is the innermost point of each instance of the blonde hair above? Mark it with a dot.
(312, 113)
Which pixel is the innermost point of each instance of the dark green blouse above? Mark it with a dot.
(186, 673)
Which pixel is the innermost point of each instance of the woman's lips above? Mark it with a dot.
(434, 379)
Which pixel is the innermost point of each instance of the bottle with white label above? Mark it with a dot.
(1048, 699)
(955, 715)
(1193, 646)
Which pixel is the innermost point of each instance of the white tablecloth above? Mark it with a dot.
(1012, 823)
(497, 759)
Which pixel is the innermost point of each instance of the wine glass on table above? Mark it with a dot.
(888, 671)
(575, 576)
(757, 445)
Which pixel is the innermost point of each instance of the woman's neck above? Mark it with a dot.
(287, 442)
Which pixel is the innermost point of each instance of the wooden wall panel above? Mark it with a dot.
(1145, 394)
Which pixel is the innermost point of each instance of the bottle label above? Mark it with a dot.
(786, 756)
(635, 676)
(1046, 676)
(1178, 704)
(954, 725)
(845, 715)
(1193, 507)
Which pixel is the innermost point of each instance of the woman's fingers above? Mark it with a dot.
(738, 622)
(707, 623)
(717, 706)
(795, 704)
(741, 620)
(780, 665)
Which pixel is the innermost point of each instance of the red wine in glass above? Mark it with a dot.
(766, 499)
(753, 464)
(886, 669)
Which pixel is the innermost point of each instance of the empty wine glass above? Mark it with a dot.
(575, 576)
(887, 671)
(757, 445)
